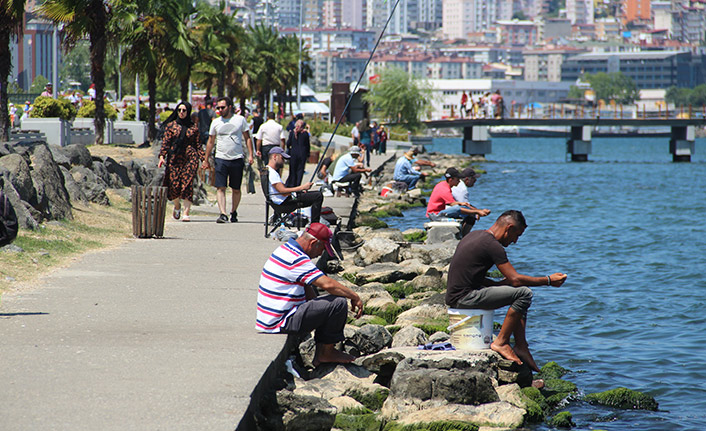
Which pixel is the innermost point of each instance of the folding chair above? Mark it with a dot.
(279, 211)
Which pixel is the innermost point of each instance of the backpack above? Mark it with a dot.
(8, 221)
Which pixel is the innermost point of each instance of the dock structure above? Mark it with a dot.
(476, 138)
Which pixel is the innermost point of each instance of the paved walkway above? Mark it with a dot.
(156, 334)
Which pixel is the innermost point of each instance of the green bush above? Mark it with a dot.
(88, 110)
(129, 114)
(48, 107)
(317, 127)
(162, 116)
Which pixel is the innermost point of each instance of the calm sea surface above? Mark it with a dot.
(629, 227)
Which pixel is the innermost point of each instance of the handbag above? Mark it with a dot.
(251, 179)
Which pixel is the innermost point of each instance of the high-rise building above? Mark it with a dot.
(461, 17)
(429, 15)
(579, 11)
(353, 14)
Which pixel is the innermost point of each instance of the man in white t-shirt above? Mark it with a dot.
(282, 195)
(227, 133)
(269, 135)
(460, 194)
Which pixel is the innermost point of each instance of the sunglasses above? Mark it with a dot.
(218, 108)
(181, 110)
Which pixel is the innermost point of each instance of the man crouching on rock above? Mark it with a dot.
(287, 302)
(469, 288)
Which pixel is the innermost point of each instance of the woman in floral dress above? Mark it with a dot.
(182, 154)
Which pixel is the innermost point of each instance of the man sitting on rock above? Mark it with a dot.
(282, 195)
(287, 301)
(469, 288)
(442, 202)
(349, 169)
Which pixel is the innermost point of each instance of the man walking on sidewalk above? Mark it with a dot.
(227, 133)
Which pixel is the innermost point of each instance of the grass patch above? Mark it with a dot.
(399, 290)
(53, 244)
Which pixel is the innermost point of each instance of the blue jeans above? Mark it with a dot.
(453, 211)
(411, 180)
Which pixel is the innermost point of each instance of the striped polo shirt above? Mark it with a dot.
(282, 283)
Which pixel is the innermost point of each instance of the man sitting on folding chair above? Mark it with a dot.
(281, 195)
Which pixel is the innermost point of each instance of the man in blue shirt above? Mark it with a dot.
(405, 172)
(349, 170)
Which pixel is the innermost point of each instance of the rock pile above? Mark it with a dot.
(42, 181)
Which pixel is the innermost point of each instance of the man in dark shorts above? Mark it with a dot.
(469, 288)
(287, 301)
(227, 133)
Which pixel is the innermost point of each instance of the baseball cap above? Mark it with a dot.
(469, 173)
(452, 173)
(322, 233)
(279, 150)
(355, 149)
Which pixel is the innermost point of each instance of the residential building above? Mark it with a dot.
(608, 29)
(429, 15)
(337, 66)
(323, 39)
(461, 17)
(545, 64)
(516, 32)
(636, 10)
(579, 11)
(32, 54)
(554, 29)
(353, 14)
(454, 68)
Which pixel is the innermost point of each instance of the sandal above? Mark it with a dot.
(186, 218)
(176, 214)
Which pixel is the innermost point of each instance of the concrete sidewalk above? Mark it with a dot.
(156, 334)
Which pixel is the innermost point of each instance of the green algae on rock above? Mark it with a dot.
(365, 422)
(552, 370)
(371, 400)
(432, 426)
(623, 398)
(562, 420)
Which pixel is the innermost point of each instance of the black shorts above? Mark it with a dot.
(232, 169)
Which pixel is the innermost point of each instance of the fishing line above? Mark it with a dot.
(357, 84)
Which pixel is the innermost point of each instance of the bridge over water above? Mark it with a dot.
(476, 140)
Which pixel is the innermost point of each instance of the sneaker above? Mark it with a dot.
(176, 214)
(234, 217)
(186, 218)
(222, 219)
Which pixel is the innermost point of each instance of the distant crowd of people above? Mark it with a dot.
(486, 105)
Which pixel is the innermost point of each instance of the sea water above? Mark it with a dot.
(629, 227)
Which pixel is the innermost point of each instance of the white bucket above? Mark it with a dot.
(471, 329)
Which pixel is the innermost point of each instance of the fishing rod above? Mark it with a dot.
(357, 84)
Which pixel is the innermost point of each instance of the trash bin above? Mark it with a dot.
(149, 205)
(314, 157)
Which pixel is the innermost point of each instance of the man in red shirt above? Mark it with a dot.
(442, 202)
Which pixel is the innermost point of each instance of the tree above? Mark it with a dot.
(698, 96)
(181, 52)
(38, 85)
(399, 98)
(678, 96)
(11, 18)
(264, 41)
(615, 86)
(76, 65)
(82, 18)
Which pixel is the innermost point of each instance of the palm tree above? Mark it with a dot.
(182, 51)
(85, 18)
(264, 42)
(150, 31)
(213, 48)
(11, 20)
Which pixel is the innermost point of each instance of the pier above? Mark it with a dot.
(476, 137)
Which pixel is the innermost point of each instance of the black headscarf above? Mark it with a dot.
(179, 145)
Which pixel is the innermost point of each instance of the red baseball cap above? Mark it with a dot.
(322, 233)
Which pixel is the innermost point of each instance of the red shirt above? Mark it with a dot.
(440, 197)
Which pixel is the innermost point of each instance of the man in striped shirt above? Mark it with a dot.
(287, 301)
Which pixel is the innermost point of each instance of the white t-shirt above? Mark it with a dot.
(355, 132)
(270, 133)
(274, 178)
(229, 136)
(460, 192)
